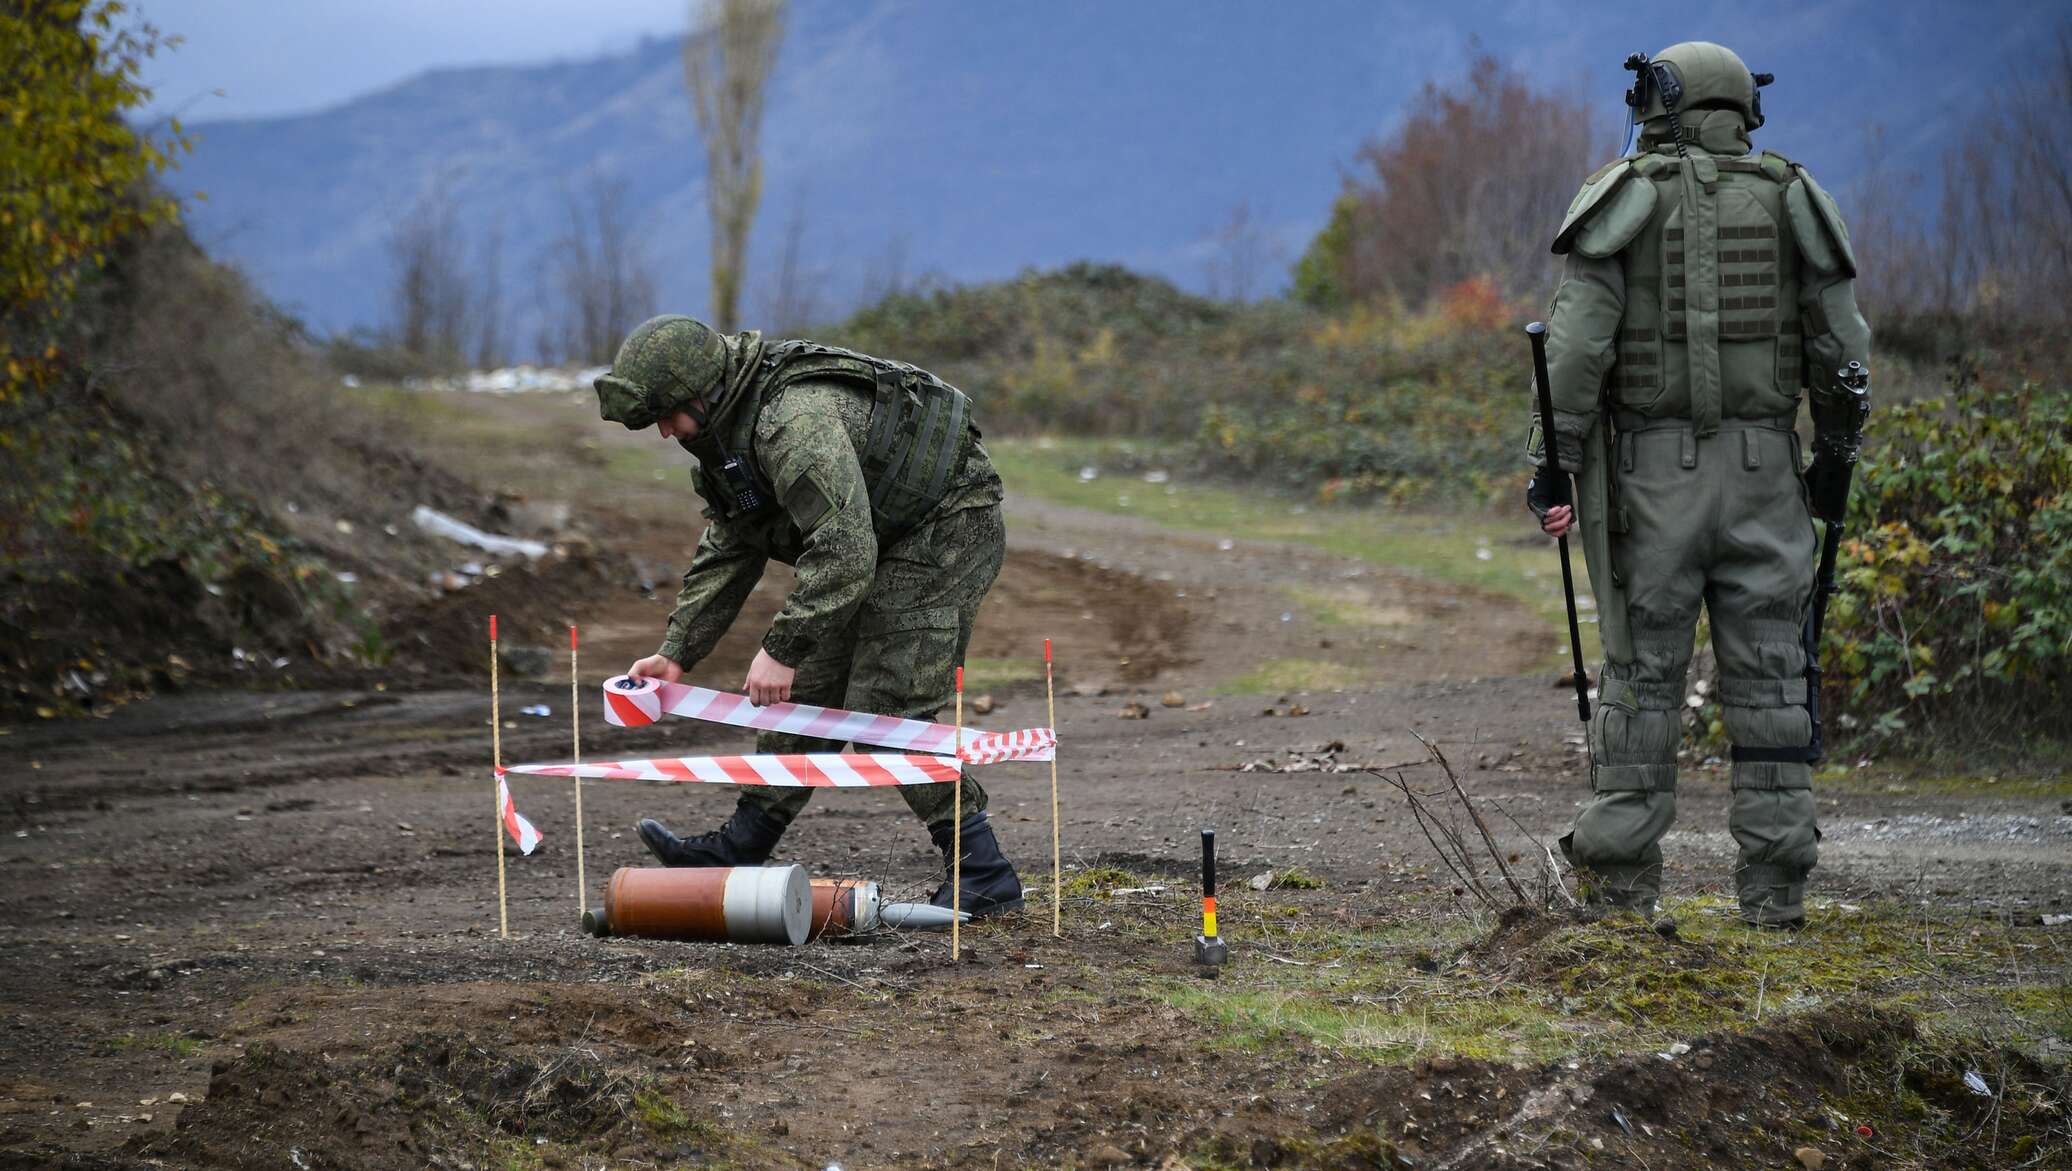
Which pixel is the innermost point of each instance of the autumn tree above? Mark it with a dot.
(1472, 184)
(74, 172)
(727, 63)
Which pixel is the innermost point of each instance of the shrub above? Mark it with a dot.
(1956, 601)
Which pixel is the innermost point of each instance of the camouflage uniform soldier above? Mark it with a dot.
(869, 478)
(1705, 286)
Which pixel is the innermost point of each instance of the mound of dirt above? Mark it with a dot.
(438, 1100)
(445, 638)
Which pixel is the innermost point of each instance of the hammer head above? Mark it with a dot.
(1211, 952)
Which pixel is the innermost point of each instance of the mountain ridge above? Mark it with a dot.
(975, 142)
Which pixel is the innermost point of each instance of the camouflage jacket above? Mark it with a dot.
(806, 450)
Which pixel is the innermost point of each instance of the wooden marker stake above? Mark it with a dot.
(496, 754)
(957, 827)
(1057, 885)
(575, 731)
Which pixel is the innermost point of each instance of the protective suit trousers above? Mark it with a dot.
(900, 655)
(1721, 521)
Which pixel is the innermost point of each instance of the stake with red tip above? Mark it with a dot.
(496, 754)
(957, 833)
(575, 731)
(1057, 884)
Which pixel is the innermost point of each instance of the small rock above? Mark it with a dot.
(1297, 710)
(984, 705)
(1134, 711)
(1173, 699)
(1810, 1158)
(1260, 881)
(1108, 1155)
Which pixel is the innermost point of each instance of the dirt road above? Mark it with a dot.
(260, 929)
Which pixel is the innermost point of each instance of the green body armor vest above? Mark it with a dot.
(919, 435)
(1712, 320)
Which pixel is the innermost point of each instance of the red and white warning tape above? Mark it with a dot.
(834, 770)
(631, 703)
(515, 824)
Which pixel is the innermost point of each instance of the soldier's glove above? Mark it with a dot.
(1827, 486)
(1546, 491)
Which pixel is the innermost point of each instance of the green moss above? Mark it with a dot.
(1554, 989)
(662, 1116)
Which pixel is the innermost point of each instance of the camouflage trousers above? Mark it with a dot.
(1720, 522)
(900, 654)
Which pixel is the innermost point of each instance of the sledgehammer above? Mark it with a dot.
(1209, 949)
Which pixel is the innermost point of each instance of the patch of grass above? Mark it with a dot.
(1615, 986)
(1280, 676)
(980, 673)
(1100, 882)
(662, 1116)
(1842, 778)
(1294, 878)
(1477, 550)
(172, 1043)
(1347, 607)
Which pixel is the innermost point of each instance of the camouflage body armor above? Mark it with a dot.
(1706, 288)
(919, 436)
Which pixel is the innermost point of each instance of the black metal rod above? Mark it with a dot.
(1208, 864)
(1537, 331)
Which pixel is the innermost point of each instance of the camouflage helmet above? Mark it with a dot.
(1711, 75)
(667, 364)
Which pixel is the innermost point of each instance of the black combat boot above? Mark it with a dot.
(990, 885)
(745, 840)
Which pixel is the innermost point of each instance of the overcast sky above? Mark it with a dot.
(270, 57)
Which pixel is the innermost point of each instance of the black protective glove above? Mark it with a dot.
(1546, 491)
(1827, 486)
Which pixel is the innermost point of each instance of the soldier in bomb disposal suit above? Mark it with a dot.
(1706, 287)
(868, 477)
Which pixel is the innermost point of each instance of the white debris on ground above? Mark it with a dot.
(439, 524)
(1323, 758)
(506, 380)
(1984, 827)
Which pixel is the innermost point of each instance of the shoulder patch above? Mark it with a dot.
(1816, 223)
(807, 503)
(1596, 197)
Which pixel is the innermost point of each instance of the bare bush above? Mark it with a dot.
(1993, 262)
(428, 293)
(727, 62)
(486, 317)
(1241, 253)
(791, 303)
(1470, 185)
(600, 274)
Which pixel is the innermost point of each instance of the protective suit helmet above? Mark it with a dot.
(667, 364)
(1708, 75)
